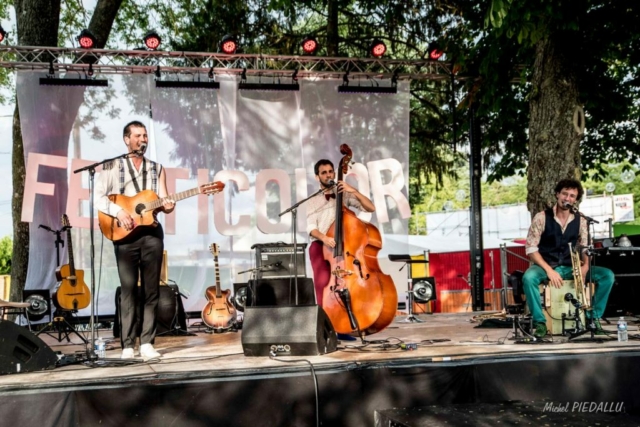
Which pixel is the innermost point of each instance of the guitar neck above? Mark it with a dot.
(175, 197)
(72, 267)
(217, 269)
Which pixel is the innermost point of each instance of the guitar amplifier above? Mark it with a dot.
(276, 260)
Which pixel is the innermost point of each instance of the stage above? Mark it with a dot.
(205, 379)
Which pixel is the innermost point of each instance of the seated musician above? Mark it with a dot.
(321, 213)
(140, 255)
(547, 247)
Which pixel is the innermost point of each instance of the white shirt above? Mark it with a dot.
(108, 182)
(321, 213)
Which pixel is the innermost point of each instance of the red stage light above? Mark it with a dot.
(309, 46)
(86, 39)
(378, 48)
(228, 44)
(152, 40)
(3, 34)
(435, 52)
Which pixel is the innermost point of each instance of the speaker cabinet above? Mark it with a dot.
(268, 292)
(303, 330)
(21, 351)
(276, 260)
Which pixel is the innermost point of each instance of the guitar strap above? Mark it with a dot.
(133, 176)
(153, 166)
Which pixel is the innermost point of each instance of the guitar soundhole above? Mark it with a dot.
(139, 209)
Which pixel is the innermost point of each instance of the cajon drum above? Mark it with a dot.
(555, 306)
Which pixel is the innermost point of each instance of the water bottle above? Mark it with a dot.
(100, 348)
(622, 330)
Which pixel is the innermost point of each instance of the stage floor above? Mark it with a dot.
(441, 338)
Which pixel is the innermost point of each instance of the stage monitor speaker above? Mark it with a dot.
(276, 260)
(21, 351)
(303, 330)
(280, 292)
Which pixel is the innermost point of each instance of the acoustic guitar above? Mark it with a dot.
(73, 293)
(219, 313)
(144, 207)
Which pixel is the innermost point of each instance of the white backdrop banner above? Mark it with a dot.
(262, 145)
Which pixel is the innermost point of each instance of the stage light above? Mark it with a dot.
(423, 289)
(3, 34)
(309, 45)
(90, 71)
(434, 51)
(228, 44)
(46, 81)
(210, 74)
(157, 73)
(183, 84)
(368, 89)
(86, 39)
(378, 49)
(152, 40)
(292, 87)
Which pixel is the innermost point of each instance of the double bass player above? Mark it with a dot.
(321, 215)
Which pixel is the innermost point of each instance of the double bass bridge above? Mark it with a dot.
(341, 273)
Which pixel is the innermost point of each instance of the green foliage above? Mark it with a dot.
(6, 250)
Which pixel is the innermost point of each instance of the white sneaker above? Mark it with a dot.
(148, 352)
(127, 353)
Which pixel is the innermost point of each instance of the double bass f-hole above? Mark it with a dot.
(358, 264)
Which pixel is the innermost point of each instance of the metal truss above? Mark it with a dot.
(105, 61)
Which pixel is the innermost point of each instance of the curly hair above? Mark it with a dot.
(571, 184)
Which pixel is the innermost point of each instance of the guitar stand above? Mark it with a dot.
(61, 326)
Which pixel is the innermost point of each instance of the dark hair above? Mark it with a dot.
(127, 129)
(571, 184)
(321, 162)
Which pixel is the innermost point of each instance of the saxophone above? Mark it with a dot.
(583, 291)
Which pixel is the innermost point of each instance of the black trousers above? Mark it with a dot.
(140, 257)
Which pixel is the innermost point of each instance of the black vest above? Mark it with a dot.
(554, 245)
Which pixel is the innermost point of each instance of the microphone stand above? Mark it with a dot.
(294, 212)
(91, 353)
(591, 327)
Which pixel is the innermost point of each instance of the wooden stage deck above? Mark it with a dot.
(441, 338)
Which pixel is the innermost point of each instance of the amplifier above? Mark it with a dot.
(277, 261)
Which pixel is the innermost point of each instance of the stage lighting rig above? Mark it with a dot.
(3, 34)
(378, 48)
(86, 39)
(229, 44)
(309, 45)
(152, 40)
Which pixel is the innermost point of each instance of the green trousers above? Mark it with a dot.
(602, 277)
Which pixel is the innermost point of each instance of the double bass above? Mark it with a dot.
(359, 299)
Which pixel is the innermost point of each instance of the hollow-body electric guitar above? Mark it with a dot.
(219, 313)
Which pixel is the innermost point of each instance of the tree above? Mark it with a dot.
(5, 255)
(38, 24)
(576, 55)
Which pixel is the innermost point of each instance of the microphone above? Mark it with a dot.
(571, 207)
(141, 151)
(277, 264)
(332, 183)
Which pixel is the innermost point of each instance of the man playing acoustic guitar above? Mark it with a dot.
(139, 255)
